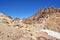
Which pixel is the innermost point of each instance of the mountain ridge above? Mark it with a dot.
(33, 27)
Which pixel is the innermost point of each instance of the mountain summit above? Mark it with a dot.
(42, 14)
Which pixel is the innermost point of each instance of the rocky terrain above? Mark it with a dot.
(50, 16)
(44, 25)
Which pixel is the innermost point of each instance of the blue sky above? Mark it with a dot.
(25, 8)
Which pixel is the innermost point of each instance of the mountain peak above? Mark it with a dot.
(42, 13)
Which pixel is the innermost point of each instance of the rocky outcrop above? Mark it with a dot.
(42, 13)
(49, 15)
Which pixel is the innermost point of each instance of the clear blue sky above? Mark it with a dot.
(25, 8)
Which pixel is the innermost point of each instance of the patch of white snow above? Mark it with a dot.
(21, 20)
(52, 33)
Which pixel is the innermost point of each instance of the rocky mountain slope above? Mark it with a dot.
(44, 25)
(50, 16)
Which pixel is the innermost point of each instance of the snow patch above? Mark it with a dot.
(21, 20)
(16, 27)
(52, 33)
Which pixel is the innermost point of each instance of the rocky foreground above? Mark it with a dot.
(44, 25)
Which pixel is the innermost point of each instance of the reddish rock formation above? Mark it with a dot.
(42, 13)
(50, 16)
